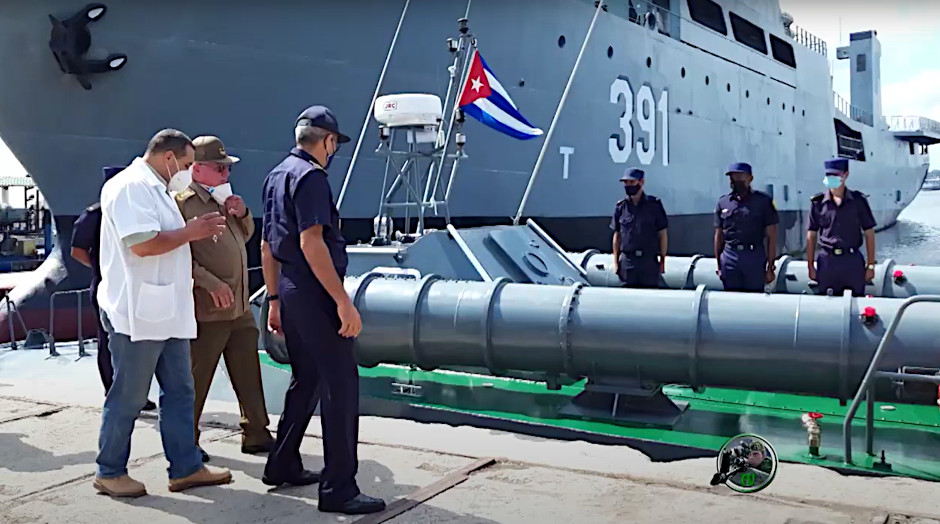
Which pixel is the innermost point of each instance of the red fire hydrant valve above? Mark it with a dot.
(869, 316)
(899, 277)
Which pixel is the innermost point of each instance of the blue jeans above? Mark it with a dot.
(135, 364)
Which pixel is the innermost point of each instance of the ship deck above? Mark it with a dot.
(50, 411)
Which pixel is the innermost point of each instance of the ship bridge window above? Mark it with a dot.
(709, 14)
(783, 52)
(748, 33)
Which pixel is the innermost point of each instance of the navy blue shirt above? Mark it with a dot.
(744, 220)
(639, 224)
(840, 226)
(86, 234)
(297, 196)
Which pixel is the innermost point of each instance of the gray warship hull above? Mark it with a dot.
(679, 100)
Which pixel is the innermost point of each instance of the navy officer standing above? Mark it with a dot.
(639, 224)
(837, 219)
(745, 233)
(304, 261)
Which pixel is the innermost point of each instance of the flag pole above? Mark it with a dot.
(561, 104)
(365, 125)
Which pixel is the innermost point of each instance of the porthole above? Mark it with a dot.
(683, 72)
(728, 87)
(610, 52)
(747, 94)
(649, 62)
(561, 41)
(706, 80)
(768, 100)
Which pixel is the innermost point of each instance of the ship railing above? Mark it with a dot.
(914, 124)
(654, 16)
(867, 386)
(853, 112)
(49, 336)
(809, 40)
(11, 312)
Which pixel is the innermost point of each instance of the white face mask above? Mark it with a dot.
(181, 180)
(220, 193)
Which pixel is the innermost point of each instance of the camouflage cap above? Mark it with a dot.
(211, 149)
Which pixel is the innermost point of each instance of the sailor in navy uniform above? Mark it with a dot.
(745, 233)
(639, 224)
(838, 218)
(304, 262)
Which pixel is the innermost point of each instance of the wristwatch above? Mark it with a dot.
(270, 298)
(870, 266)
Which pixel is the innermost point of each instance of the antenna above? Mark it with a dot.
(413, 140)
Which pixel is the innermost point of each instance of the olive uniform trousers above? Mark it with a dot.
(238, 341)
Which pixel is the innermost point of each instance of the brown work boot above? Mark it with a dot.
(203, 477)
(122, 486)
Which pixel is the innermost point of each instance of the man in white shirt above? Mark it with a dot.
(146, 302)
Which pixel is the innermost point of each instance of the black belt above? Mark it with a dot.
(637, 253)
(743, 247)
(840, 250)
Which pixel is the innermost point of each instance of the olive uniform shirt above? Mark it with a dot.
(216, 262)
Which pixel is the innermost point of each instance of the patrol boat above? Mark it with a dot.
(677, 87)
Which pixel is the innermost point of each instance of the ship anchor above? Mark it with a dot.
(71, 39)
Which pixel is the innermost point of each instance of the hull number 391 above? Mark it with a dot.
(644, 107)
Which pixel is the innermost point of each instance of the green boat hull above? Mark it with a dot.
(908, 434)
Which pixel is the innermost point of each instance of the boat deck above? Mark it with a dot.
(50, 411)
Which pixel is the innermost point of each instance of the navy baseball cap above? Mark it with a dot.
(739, 167)
(322, 117)
(837, 166)
(109, 172)
(633, 174)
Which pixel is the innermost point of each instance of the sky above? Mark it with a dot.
(909, 31)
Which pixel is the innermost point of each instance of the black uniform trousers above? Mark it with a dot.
(323, 367)
(105, 369)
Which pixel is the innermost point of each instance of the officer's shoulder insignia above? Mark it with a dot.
(652, 198)
(184, 195)
(818, 197)
(94, 207)
(857, 193)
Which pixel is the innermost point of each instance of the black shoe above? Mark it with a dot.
(358, 505)
(205, 456)
(150, 406)
(258, 448)
(305, 478)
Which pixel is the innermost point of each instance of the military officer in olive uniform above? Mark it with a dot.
(838, 219)
(639, 224)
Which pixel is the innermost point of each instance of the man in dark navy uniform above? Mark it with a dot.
(837, 219)
(86, 245)
(745, 233)
(304, 261)
(639, 224)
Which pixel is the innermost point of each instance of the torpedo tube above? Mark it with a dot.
(818, 345)
(792, 276)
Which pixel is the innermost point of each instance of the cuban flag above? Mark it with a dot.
(484, 98)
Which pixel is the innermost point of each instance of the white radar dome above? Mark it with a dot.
(408, 110)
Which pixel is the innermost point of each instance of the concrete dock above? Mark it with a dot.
(50, 413)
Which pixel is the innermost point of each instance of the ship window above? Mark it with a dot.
(786, 193)
(860, 63)
(898, 196)
(748, 33)
(709, 14)
(783, 52)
